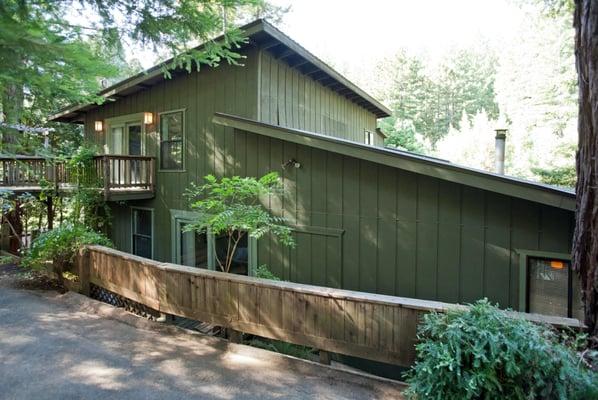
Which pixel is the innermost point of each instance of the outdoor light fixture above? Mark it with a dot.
(556, 264)
(99, 126)
(148, 118)
(291, 163)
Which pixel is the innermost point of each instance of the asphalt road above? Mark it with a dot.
(69, 347)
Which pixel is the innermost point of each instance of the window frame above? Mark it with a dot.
(178, 216)
(524, 282)
(369, 137)
(183, 140)
(123, 121)
(152, 241)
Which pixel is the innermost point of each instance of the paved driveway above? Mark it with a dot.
(70, 347)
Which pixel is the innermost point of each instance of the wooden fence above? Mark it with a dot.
(375, 327)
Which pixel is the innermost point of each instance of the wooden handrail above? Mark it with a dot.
(112, 172)
(372, 326)
(126, 157)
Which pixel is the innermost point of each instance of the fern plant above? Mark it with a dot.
(482, 353)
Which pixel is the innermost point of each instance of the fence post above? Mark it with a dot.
(324, 357)
(106, 177)
(84, 270)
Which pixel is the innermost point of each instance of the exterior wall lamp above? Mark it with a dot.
(291, 163)
(99, 126)
(148, 118)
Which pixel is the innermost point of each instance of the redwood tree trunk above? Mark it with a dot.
(585, 238)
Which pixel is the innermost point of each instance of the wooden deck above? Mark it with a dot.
(119, 177)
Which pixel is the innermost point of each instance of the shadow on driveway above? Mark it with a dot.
(54, 347)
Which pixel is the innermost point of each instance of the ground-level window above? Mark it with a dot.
(142, 232)
(192, 247)
(553, 288)
(240, 261)
(203, 250)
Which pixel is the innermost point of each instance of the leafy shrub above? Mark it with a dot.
(232, 207)
(60, 245)
(483, 354)
(4, 260)
(264, 272)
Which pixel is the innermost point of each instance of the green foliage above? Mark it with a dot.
(4, 260)
(58, 52)
(264, 272)
(233, 207)
(444, 97)
(428, 102)
(45, 65)
(7, 203)
(61, 244)
(402, 135)
(557, 176)
(86, 204)
(559, 173)
(16, 209)
(483, 354)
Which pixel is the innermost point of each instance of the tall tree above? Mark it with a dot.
(55, 52)
(585, 238)
(427, 102)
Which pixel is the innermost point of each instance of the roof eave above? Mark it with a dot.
(383, 111)
(509, 186)
(69, 114)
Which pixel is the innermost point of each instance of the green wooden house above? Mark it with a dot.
(365, 217)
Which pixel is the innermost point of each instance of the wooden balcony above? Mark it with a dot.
(119, 177)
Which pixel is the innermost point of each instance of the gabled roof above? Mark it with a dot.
(263, 35)
(507, 185)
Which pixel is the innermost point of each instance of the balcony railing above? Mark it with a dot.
(118, 176)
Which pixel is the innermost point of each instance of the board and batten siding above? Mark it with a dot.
(291, 99)
(209, 148)
(358, 225)
(368, 227)
(214, 149)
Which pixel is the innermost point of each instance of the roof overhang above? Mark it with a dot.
(262, 35)
(510, 186)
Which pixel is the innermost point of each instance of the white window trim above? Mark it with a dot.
(123, 121)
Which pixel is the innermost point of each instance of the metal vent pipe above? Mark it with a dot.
(499, 151)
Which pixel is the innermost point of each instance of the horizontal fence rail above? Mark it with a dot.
(376, 327)
(28, 171)
(112, 173)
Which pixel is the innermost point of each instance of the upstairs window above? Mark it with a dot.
(369, 138)
(553, 288)
(171, 140)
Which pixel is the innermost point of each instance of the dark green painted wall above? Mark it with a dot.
(360, 225)
(289, 98)
(395, 232)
